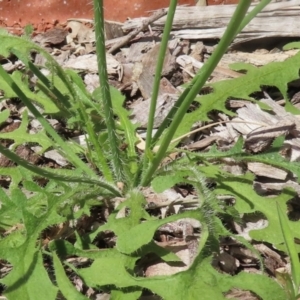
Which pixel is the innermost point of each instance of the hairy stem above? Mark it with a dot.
(106, 96)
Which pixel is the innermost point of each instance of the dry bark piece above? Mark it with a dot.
(227, 263)
(25, 153)
(10, 66)
(88, 63)
(281, 113)
(162, 268)
(203, 143)
(8, 126)
(53, 37)
(54, 155)
(233, 167)
(184, 227)
(255, 58)
(186, 249)
(127, 75)
(259, 127)
(160, 199)
(210, 22)
(198, 50)
(241, 294)
(166, 87)
(260, 139)
(267, 187)
(260, 169)
(237, 103)
(296, 98)
(113, 30)
(244, 255)
(147, 67)
(293, 149)
(137, 50)
(272, 260)
(187, 61)
(170, 198)
(140, 110)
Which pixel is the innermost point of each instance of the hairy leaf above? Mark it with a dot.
(21, 136)
(277, 74)
(65, 286)
(143, 233)
(28, 278)
(248, 201)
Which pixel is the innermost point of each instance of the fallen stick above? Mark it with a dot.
(145, 23)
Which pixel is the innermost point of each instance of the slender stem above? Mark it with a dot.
(158, 70)
(100, 160)
(172, 112)
(156, 85)
(258, 8)
(51, 175)
(291, 249)
(106, 97)
(58, 98)
(205, 72)
(69, 153)
(174, 109)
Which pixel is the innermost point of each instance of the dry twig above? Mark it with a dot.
(157, 15)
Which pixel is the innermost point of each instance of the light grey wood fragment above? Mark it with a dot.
(209, 22)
